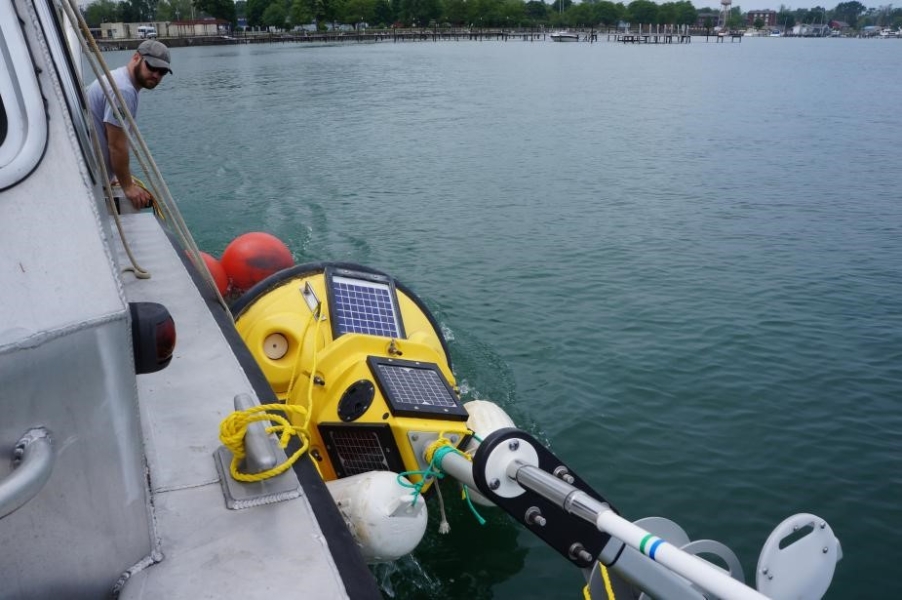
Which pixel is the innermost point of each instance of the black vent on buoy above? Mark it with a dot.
(356, 400)
(354, 448)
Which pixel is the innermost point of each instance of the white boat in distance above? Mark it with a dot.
(564, 36)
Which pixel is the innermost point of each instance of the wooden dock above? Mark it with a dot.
(655, 34)
(349, 37)
(733, 35)
(650, 38)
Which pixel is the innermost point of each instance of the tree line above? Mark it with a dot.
(855, 14)
(137, 11)
(402, 13)
(286, 14)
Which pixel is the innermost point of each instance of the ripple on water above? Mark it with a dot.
(697, 307)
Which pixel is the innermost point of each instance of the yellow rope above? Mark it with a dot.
(157, 208)
(234, 427)
(297, 361)
(438, 443)
(315, 316)
(607, 581)
(608, 588)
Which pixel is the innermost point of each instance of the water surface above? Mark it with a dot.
(678, 266)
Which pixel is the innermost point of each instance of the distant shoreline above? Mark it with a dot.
(369, 35)
(405, 35)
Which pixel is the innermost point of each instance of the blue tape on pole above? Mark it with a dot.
(651, 551)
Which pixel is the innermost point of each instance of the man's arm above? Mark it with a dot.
(119, 160)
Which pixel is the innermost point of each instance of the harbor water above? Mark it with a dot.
(679, 266)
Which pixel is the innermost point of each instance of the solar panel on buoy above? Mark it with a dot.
(414, 388)
(363, 306)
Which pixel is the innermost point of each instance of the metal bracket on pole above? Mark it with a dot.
(577, 540)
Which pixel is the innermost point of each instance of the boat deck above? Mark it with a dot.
(208, 550)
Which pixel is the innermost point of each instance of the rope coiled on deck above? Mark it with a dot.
(234, 427)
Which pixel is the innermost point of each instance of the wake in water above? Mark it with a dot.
(410, 574)
(482, 374)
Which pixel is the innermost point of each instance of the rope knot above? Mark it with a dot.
(233, 429)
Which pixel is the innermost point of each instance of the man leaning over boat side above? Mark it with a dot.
(144, 71)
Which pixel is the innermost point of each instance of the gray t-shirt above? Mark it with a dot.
(102, 112)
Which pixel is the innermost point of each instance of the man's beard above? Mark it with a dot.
(144, 82)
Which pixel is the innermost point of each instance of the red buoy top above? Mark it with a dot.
(252, 257)
(217, 271)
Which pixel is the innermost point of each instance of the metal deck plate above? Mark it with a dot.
(240, 494)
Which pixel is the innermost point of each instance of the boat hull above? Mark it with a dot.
(564, 37)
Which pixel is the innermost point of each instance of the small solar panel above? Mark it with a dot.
(361, 305)
(416, 389)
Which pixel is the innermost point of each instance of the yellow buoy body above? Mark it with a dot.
(363, 354)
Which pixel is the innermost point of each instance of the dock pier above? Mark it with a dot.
(657, 34)
(733, 35)
(647, 34)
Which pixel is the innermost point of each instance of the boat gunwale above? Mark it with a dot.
(356, 576)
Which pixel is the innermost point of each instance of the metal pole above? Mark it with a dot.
(457, 467)
(260, 455)
(579, 503)
(588, 508)
(32, 459)
(689, 566)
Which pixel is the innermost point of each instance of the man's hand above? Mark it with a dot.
(139, 197)
(118, 144)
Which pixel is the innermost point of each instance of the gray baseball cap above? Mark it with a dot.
(155, 53)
